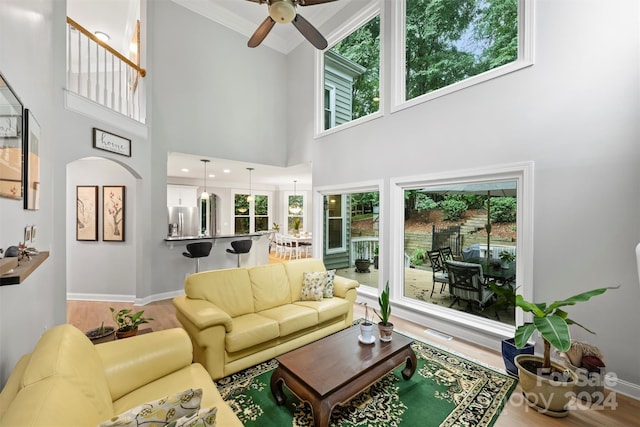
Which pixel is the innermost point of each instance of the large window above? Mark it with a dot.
(351, 76)
(450, 41)
(335, 225)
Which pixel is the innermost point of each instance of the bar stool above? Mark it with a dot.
(197, 251)
(240, 247)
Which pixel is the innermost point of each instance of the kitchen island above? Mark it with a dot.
(219, 258)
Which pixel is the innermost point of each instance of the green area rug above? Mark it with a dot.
(446, 390)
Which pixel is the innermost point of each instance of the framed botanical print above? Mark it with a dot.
(113, 213)
(86, 212)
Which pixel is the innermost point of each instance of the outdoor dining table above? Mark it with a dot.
(494, 271)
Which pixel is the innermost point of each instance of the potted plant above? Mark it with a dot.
(506, 258)
(296, 224)
(362, 263)
(548, 385)
(101, 334)
(505, 298)
(127, 322)
(384, 326)
(366, 327)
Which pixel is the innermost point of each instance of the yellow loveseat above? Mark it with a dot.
(239, 317)
(67, 381)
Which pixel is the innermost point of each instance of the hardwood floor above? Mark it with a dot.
(86, 315)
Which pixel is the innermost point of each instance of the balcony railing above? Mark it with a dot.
(363, 248)
(100, 73)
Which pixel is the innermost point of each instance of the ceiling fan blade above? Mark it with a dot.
(312, 2)
(309, 32)
(261, 32)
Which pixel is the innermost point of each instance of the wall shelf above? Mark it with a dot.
(23, 270)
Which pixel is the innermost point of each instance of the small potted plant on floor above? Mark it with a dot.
(548, 385)
(128, 321)
(384, 326)
(101, 334)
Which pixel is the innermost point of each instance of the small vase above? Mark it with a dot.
(366, 332)
(386, 331)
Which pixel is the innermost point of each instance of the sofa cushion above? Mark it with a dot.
(295, 270)
(229, 289)
(270, 286)
(313, 286)
(327, 291)
(159, 412)
(328, 309)
(14, 383)
(292, 318)
(64, 351)
(249, 330)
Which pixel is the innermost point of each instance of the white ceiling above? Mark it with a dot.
(238, 173)
(115, 17)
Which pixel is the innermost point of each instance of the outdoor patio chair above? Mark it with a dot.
(466, 282)
(447, 253)
(439, 270)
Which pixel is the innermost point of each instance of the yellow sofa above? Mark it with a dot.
(239, 317)
(67, 381)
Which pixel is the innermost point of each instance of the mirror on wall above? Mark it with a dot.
(11, 114)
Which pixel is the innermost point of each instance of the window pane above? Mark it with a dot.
(335, 233)
(261, 205)
(447, 42)
(456, 217)
(352, 67)
(242, 225)
(241, 206)
(262, 223)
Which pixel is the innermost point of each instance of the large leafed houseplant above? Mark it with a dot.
(552, 322)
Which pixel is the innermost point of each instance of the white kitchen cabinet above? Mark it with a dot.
(182, 195)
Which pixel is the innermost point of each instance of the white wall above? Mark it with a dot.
(26, 61)
(99, 268)
(575, 115)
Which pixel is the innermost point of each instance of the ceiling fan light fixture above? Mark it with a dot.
(282, 11)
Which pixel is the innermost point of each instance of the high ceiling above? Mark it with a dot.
(115, 17)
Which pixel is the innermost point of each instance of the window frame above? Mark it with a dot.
(251, 214)
(285, 206)
(398, 63)
(522, 173)
(373, 9)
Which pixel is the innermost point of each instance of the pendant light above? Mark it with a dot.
(205, 195)
(295, 208)
(250, 197)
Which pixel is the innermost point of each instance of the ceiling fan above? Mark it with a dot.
(284, 12)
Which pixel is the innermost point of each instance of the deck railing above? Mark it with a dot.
(100, 73)
(363, 248)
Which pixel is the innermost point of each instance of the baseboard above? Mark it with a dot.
(101, 297)
(617, 385)
(157, 297)
(123, 298)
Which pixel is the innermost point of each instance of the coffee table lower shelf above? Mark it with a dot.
(348, 382)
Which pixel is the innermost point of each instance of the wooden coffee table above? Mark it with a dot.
(337, 368)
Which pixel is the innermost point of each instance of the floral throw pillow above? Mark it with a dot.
(327, 292)
(206, 417)
(159, 413)
(313, 285)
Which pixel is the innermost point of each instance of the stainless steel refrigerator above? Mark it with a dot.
(183, 221)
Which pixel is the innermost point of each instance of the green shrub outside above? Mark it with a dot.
(503, 209)
(453, 209)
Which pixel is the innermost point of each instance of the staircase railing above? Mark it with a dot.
(100, 73)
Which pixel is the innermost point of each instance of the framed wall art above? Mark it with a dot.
(31, 162)
(113, 213)
(11, 112)
(108, 141)
(27, 234)
(86, 212)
